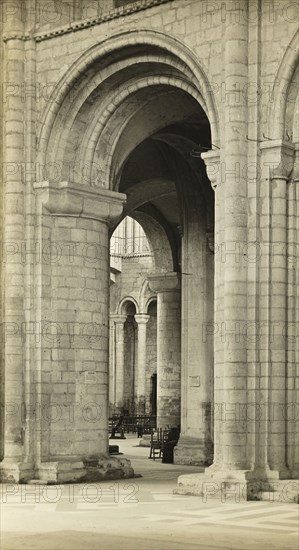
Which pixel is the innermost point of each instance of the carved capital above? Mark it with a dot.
(278, 157)
(118, 318)
(65, 199)
(165, 282)
(212, 162)
(141, 318)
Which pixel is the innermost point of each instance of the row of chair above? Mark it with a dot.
(124, 424)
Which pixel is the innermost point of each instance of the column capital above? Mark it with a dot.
(67, 199)
(141, 318)
(278, 156)
(119, 319)
(295, 173)
(212, 162)
(165, 282)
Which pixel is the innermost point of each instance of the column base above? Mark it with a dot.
(192, 451)
(145, 441)
(16, 472)
(100, 468)
(238, 486)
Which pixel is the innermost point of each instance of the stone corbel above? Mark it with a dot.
(278, 158)
(212, 162)
(164, 282)
(66, 199)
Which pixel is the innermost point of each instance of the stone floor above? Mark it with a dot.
(142, 513)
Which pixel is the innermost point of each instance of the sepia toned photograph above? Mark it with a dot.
(149, 275)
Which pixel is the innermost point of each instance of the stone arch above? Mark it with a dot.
(121, 308)
(181, 70)
(112, 157)
(277, 113)
(162, 248)
(181, 76)
(150, 301)
(144, 299)
(292, 107)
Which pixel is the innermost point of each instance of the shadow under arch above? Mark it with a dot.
(161, 242)
(150, 301)
(125, 303)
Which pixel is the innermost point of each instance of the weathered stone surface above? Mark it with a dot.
(135, 111)
(236, 488)
(99, 469)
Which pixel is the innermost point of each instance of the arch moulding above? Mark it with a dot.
(278, 102)
(121, 305)
(140, 38)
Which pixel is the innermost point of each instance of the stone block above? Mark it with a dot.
(94, 469)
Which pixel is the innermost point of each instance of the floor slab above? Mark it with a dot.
(139, 514)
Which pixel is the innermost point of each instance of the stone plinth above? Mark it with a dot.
(193, 451)
(103, 467)
(145, 441)
(16, 472)
(237, 487)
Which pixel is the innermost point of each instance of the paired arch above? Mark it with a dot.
(141, 305)
(124, 303)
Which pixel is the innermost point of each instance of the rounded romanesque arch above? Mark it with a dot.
(292, 108)
(83, 77)
(150, 301)
(124, 303)
(161, 244)
(107, 88)
(124, 122)
(284, 93)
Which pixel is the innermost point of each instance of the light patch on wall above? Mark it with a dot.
(194, 381)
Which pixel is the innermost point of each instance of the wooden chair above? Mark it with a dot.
(118, 427)
(158, 440)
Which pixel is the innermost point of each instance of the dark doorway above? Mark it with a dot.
(153, 397)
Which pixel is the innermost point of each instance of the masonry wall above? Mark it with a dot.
(129, 283)
(243, 96)
(199, 25)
